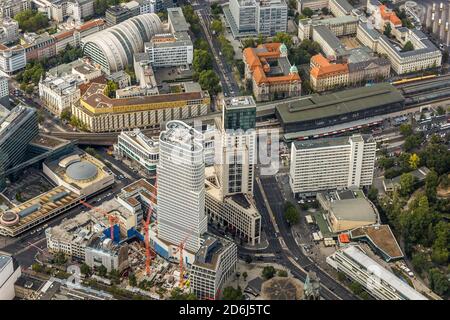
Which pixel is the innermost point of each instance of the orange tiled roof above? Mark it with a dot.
(391, 16)
(257, 62)
(325, 69)
(90, 24)
(320, 60)
(63, 35)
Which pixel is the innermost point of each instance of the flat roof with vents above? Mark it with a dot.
(338, 103)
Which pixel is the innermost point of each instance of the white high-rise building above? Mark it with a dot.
(10, 271)
(332, 163)
(9, 30)
(4, 91)
(181, 186)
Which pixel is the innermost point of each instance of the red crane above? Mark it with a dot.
(181, 262)
(111, 218)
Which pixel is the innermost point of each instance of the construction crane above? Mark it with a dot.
(181, 262)
(146, 233)
(111, 218)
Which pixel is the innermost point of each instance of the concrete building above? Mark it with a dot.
(17, 130)
(59, 93)
(252, 17)
(312, 4)
(270, 72)
(236, 214)
(80, 173)
(10, 271)
(112, 48)
(72, 236)
(236, 146)
(135, 145)
(12, 59)
(168, 50)
(424, 56)
(378, 281)
(103, 251)
(332, 163)
(181, 186)
(103, 114)
(340, 8)
(345, 211)
(118, 14)
(340, 26)
(330, 44)
(215, 263)
(60, 10)
(319, 111)
(4, 92)
(358, 68)
(9, 8)
(176, 20)
(9, 30)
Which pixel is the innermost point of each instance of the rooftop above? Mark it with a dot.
(358, 209)
(180, 134)
(177, 19)
(95, 98)
(368, 263)
(329, 142)
(339, 103)
(382, 238)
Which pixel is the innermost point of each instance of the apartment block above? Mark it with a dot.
(331, 163)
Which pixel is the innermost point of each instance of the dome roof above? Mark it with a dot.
(81, 170)
(9, 218)
(283, 48)
(293, 69)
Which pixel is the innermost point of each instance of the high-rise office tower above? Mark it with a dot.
(236, 152)
(17, 129)
(181, 186)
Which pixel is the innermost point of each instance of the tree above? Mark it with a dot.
(132, 280)
(31, 21)
(408, 47)
(291, 215)
(420, 262)
(414, 161)
(201, 44)
(216, 9)
(441, 243)
(325, 11)
(356, 288)
(372, 194)
(216, 25)
(66, 114)
(248, 43)
(230, 293)
(439, 282)
(248, 259)
(431, 183)
(209, 80)
(387, 29)
(59, 258)
(245, 275)
(202, 61)
(115, 275)
(282, 273)
(386, 162)
(283, 37)
(240, 65)
(177, 294)
(85, 269)
(111, 88)
(36, 267)
(412, 142)
(405, 129)
(407, 181)
(102, 271)
(268, 272)
(307, 12)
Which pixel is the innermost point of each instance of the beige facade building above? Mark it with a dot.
(424, 56)
(270, 72)
(102, 114)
